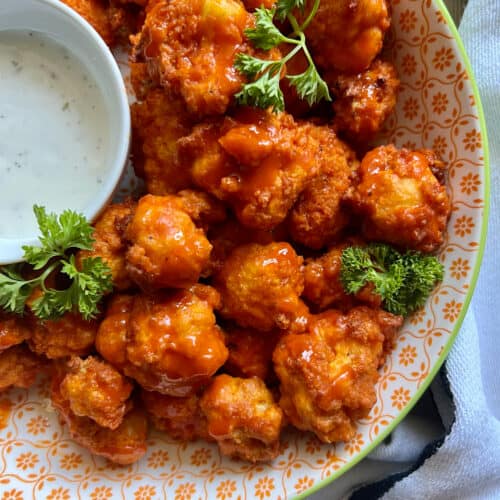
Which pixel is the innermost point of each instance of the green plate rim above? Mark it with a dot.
(482, 243)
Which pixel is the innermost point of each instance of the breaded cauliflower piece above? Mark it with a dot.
(400, 199)
(225, 237)
(260, 287)
(109, 243)
(96, 390)
(250, 352)
(318, 216)
(204, 209)
(190, 46)
(347, 35)
(166, 248)
(13, 330)
(365, 100)
(180, 418)
(243, 418)
(68, 336)
(258, 162)
(328, 374)
(168, 343)
(124, 445)
(19, 367)
(158, 121)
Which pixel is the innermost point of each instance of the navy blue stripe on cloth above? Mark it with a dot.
(376, 490)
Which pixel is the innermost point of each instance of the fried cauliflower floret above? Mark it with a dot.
(168, 343)
(190, 46)
(328, 374)
(250, 352)
(13, 330)
(124, 445)
(68, 336)
(96, 390)
(258, 162)
(205, 210)
(180, 418)
(243, 418)
(95, 12)
(318, 216)
(166, 248)
(19, 367)
(347, 34)
(400, 199)
(260, 287)
(109, 243)
(157, 123)
(322, 285)
(365, 100)
(227, 236)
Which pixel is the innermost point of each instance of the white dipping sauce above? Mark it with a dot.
(54, 131)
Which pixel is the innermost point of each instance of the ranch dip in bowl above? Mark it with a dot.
(64, 119)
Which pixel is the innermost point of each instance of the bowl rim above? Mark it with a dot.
(11, 248)
(475, 273)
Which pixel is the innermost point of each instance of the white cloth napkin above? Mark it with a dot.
(466, 464)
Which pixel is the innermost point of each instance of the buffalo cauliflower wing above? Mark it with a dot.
(260, 287)
(96, 390)
(257, 162)
(180, 418)
(318, 216)
(243, 418)
(346, 35)
(158, 121)
(13, 330)
(64, 337)
(124, 445)
(19, 367)
(400, 200)
(190, 46)
(365, 100)
(168, 343)
(250, 352)
(328, 374)
(166, 248)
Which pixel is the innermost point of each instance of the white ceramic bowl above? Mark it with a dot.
(438, 108)
(53, 18)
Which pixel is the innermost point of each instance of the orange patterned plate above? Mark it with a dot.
(438, 108)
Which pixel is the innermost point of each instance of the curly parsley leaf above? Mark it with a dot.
(265, 35)
(58, 234)
(404, 281)
(14, 290)
(263, 93)
(310, 86)
(285, 7)
(88, 282)
(266, 74)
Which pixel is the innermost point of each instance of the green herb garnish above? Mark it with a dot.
(404, 281)
(88, 282)
(264, 90)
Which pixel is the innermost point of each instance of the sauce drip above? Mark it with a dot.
(54, 130)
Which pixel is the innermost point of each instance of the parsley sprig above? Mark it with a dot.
(88, 282)
(404, 281)
(263, 91)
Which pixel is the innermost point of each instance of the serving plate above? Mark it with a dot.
(438, 108)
